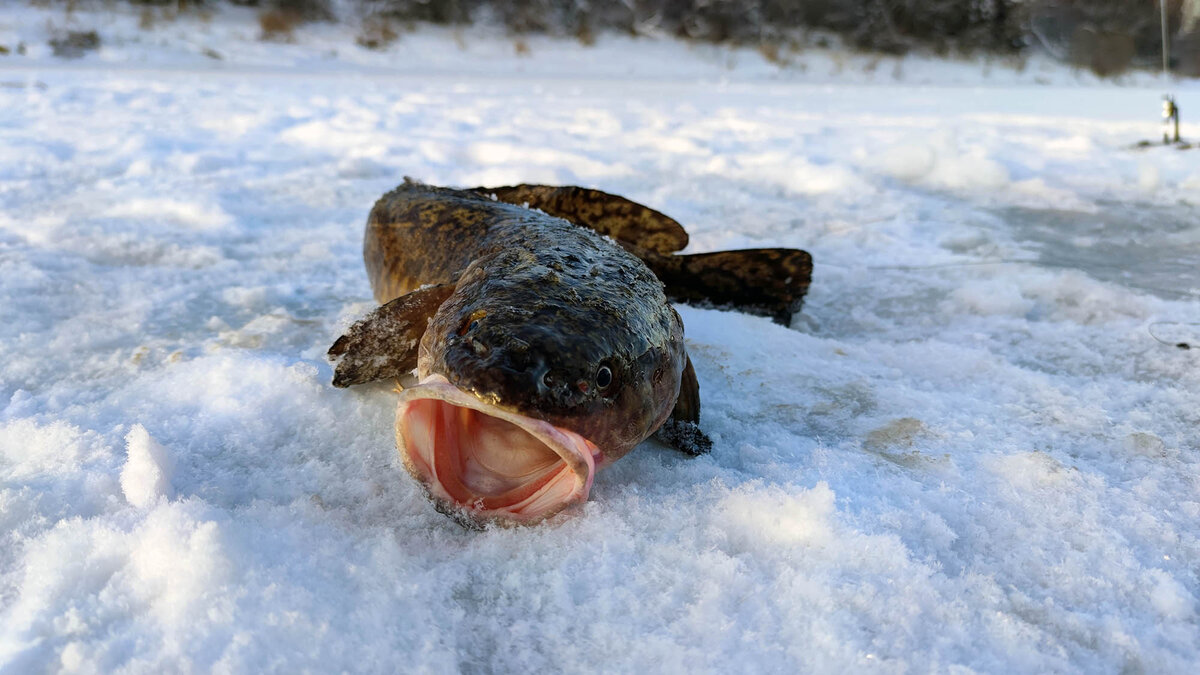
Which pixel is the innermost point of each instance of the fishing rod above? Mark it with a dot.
(1170, 109)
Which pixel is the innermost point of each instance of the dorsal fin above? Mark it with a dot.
(628, 222)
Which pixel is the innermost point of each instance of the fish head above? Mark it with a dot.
(530, 381)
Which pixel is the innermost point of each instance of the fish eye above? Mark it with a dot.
(604, 377)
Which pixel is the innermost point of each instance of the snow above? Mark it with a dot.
(146, 477)
(975, 450)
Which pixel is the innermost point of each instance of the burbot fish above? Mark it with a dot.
(539, 324)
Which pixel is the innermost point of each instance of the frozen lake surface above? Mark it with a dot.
(969, 450)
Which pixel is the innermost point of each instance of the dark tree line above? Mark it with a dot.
(1105, 35)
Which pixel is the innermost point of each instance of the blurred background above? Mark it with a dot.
(1107, 37)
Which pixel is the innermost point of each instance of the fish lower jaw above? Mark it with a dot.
(486, 464)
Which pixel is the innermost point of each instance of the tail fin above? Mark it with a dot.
(763, 281)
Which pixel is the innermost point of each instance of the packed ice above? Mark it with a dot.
(975, 448)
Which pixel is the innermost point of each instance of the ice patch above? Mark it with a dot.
(894, 441)
(1033, 473)
(146, 477)
(1145, 444)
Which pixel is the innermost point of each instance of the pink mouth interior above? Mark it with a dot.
(493, 464)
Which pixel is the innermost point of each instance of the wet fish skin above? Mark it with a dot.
(540, 306)
(544, 349)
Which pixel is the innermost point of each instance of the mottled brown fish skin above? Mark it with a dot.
(766, 281)
(540, 307)
(418, 235)
(610, 215)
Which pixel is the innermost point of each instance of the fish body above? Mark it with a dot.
(543, 349)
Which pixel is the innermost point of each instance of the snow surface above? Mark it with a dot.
(147, 474)
(975, 450)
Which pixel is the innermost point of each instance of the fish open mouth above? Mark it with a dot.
(486, 463)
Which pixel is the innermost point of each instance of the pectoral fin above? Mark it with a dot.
(626, 221)
(764, 281)
(682, 429)
(383, 344)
